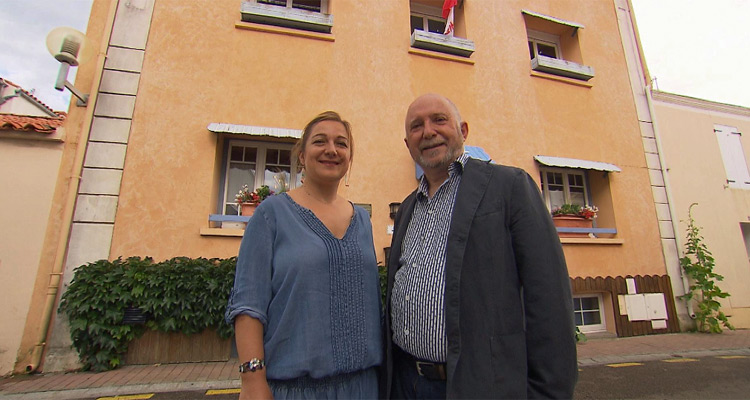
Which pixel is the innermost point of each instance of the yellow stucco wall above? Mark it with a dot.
(199, 68)
(697, 175)
(28, 181)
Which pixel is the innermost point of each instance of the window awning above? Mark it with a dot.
(552, 19)
(251, 130)
(473, 152)
(562, 162)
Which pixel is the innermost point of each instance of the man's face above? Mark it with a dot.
(434, 136)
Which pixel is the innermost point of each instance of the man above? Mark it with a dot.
(478, 301)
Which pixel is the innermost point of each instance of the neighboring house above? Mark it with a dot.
(30, 152)
(193, 101)
(705, 150)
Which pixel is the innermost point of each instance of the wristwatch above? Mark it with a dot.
(252, 365)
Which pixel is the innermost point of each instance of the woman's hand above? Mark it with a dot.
(255, 388)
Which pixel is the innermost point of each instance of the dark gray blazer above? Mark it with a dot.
(508, 306)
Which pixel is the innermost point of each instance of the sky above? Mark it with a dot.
(696, 48)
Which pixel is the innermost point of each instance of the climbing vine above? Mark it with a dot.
(698, 264)
(182, 294)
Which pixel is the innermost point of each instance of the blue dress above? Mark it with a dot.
(317, 297)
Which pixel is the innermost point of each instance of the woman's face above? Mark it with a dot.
(327, 153)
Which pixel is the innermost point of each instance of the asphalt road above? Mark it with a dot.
(722, 377)
(725, 377)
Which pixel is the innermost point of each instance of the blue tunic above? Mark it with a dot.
(317, 296)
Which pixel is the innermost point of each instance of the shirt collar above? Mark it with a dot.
(456, 167)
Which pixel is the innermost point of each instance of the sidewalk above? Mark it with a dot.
(223, 375)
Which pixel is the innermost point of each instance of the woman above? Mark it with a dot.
(305, 303)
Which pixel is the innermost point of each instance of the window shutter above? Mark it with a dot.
(733, 156)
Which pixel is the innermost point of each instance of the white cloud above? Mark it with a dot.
(697, 48)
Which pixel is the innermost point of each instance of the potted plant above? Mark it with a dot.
(574, 216)
(248, 200)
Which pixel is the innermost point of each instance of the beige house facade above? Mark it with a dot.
(31, 144)
(187, 102)
(706, 155)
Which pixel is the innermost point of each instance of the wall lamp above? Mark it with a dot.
(394, 209)
(65, 44)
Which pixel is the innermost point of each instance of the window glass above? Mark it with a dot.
(255, 164)
(546, 50)
(556, 189)
(588, 314)
(561, 186)
(309, 5)
(281, 3)
(241, 172)
(577, 192)
(417, 22)
(435, 26)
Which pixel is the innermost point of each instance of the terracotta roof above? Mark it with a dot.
(26, 123)
(26, 92)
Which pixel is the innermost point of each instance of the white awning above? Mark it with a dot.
(575, 163)
(254, 130)
(552, 19)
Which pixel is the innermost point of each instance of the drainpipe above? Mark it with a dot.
(667, 188)
(70, 201)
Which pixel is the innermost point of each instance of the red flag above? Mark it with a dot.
(447, 6)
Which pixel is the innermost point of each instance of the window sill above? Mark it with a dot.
(286, 17)
(285, 31)
(442, 43)
(222, 232)
(596, 241)
(564, 68)
(561, 79)
(440, 56)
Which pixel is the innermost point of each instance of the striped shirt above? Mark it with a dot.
(417, 310)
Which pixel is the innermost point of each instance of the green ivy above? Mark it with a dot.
(180, 295)
(698, 264)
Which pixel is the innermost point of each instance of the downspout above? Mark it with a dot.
(70, 201)
(660, 152)
(667, 188)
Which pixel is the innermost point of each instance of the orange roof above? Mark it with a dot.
(26, 123)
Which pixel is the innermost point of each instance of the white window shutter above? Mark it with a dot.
(733, 156)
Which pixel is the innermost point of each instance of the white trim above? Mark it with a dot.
(287, 17)
(561, 67)
(252, 130)
(575, 163)
(442, 43)
(552, 19)
(602, 327)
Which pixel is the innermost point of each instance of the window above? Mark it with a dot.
(733, 156)
(307, 15)
(255, 163)
(428, 25)
(543, 44)
(428, 19)
(553, 46)
(589, 316)
(561, 186)
(309, 5)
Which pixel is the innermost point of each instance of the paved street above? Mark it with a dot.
(669, 366)
(719, 377)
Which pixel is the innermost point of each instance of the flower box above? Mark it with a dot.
(569, 221)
